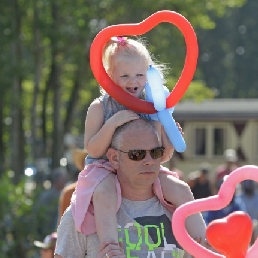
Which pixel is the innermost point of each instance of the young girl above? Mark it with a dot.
(126, 61)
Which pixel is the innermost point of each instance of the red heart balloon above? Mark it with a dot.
(114, 90)
(231, 235)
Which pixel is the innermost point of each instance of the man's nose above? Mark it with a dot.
(148, 160)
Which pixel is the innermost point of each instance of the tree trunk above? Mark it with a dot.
(71, 107)
(17, 133)
(2, 151)
(38, 69)
(57, 136)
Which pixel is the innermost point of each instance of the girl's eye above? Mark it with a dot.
(139, 74)
(125, 75)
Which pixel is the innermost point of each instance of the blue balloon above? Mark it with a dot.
(156, 88)
(172, 131)
(157, 93)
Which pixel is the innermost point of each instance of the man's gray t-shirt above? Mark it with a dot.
(144, 227)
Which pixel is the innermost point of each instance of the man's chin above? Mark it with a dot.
(147, 180)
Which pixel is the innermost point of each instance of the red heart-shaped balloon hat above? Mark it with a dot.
(134, 29)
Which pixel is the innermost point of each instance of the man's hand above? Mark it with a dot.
(204, 243)
(108, 250)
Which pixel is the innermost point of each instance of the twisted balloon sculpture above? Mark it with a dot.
(231, 235)
(134, 29)
(157, 93)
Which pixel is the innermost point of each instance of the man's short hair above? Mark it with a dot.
(139, 124)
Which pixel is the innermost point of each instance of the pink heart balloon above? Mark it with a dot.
(215, 202)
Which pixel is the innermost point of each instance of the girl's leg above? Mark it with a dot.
(178, 192)
(105, 208)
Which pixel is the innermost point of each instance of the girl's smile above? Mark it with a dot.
(131, 76)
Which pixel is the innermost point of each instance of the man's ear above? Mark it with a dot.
(113, 157)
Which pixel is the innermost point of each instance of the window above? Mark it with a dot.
(218, 141)
(209, 139)
(200, 141)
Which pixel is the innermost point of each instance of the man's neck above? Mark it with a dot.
(137, 194)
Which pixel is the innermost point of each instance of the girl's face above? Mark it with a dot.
(131, 76)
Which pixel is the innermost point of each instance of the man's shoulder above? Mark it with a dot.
(70, 242)
(67, 218)
(221, 168)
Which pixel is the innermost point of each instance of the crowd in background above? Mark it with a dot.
(203, 182)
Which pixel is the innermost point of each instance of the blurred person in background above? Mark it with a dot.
(46, 207)
(79, 156)
(47, 247)
(172, 167)
(200, 184)
(255, 231)
(249, 197)
(234, 205)
(226, 168)
(199, 181)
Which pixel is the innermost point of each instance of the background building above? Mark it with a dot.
(212, 126)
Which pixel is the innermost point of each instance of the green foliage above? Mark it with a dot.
(198, 92)
(16, 220)
(61, 32)
(228, 53)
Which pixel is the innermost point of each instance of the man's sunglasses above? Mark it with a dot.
(138, 155)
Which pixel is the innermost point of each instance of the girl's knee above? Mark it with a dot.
(106, 190)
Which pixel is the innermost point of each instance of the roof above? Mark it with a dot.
(217, 109)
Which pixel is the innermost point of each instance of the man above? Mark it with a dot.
(226, 168)
(144, 224)
(249, 198)
(46, 207)
(79, 156)
(199, 182)
(47, 247)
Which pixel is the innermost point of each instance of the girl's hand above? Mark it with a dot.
(180, 128)
(122, 117)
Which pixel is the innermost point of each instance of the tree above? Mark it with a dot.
(17, 132)
(227, 53)
(52, 84)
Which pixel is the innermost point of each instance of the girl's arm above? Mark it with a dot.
(98, 135)
(169, 149)
(165, 142)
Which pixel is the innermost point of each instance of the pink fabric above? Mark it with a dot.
(88, 179)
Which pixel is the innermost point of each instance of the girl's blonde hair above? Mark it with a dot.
(123, 49)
